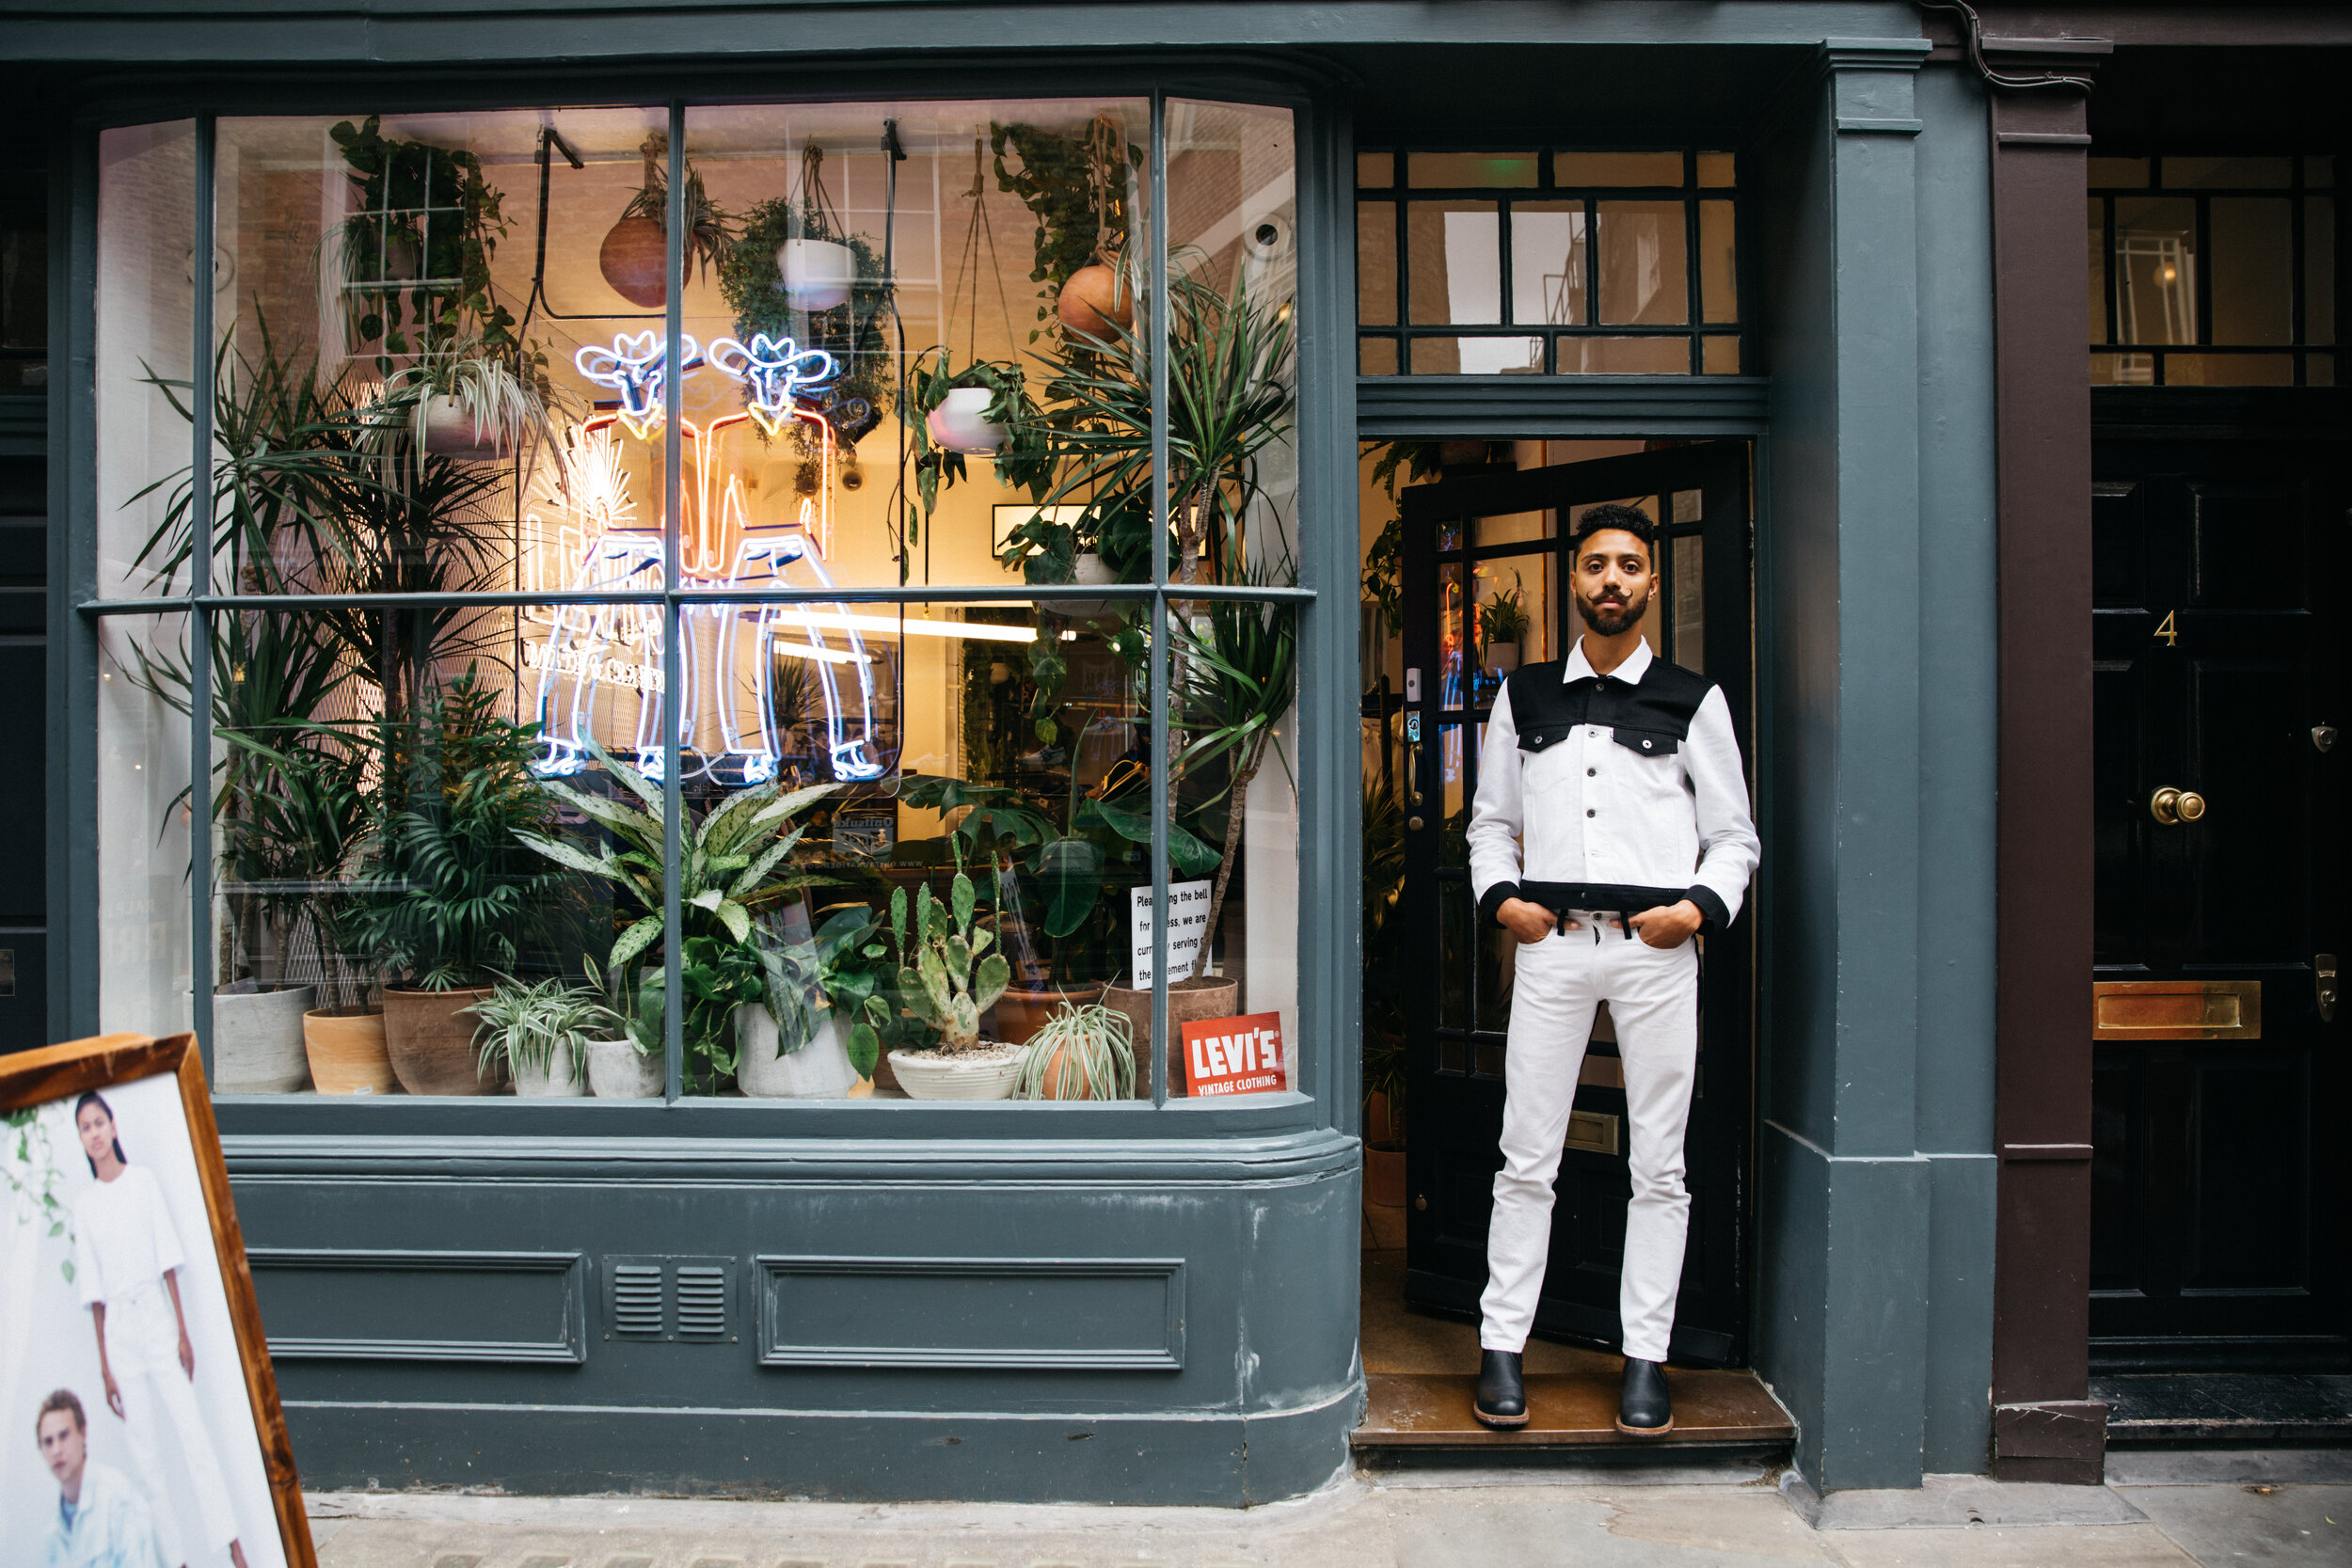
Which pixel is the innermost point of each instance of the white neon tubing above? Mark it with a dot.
(976, 631)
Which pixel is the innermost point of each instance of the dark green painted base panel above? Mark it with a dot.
(1220, 1461)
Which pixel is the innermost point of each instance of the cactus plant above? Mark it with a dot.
(955, 978)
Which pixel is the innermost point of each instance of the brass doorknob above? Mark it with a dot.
(2171, 807)
(2192, 806)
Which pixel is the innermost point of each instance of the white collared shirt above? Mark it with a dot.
(1589, 809)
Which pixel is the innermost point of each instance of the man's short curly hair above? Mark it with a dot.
(1613, 516)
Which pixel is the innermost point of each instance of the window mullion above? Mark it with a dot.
(673, 697)
(1163, 729)
(200, 621)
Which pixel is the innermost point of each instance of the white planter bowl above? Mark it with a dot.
(956, 425)
(257, 1039)
(450, 431)
(945, 1078)
(1093, 570)
(616, 1071)
(817, 274)
(820, 1069)
(561, 1078)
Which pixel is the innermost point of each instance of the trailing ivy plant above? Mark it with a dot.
(1024, 462)
(416, 255)
(864, 390)
(1054, 176)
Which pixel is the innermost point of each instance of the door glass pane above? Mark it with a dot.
(1375, 263)
(2253, 262)
(2096, 232)
(1689, 573)
(2156, 279)
(1719, 262)
(146, 324)
(1454, 914)
(1452, 795)
(143, 923)
(2229, 370)
(1452, 653)
(1498, 953)
(1642, 276)
(1547, 263)
(1455, 259)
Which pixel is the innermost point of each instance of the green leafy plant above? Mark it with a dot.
(416, 255)
(293, 818)
(35, 1178)
(953, 978)
(1084, 1052)
(707, 222)
(499, 405)
(542, 1026)
(734, 872)
(850, 331)
(1075, 188)
(448, 896)
(1503, 617)
(1024, 462)
(862, 976)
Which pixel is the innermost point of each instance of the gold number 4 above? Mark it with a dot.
(2170, 633)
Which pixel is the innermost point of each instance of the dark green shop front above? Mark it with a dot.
(902, 405)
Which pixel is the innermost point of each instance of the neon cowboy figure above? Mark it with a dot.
(720, 547)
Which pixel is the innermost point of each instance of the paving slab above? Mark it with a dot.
(2011, 1546)
(1944, 1502)
(2229, 1465)
(2247, 1525)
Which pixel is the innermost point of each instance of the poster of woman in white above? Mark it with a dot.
(126, 1433)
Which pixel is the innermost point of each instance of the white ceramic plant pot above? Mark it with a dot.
(816, 274)
(558, 1078)
(450, 431)
(989, 1074)
(1503, 658)
(820, 1069)
(1093, 571)
(956, 425)
(257, 1039)
(616, 1071)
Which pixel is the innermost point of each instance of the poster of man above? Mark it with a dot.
(131, 1435)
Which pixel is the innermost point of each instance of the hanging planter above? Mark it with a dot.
(635, 254)
(961, 422)
(1097, 302)
(817, 274)
(453, 430)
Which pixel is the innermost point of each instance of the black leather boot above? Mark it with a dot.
(1644, 1408)
(1501, 1398)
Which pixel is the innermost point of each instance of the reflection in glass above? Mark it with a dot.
(2097, 234)
(1375, 170)
(145, 317)
(1455, 258)
(1720, 356)
(2229, 370)
(1450, 170)
(1643, 277)
(1375, 357)
(1455, 915)
(1627, 356)
(1618, 168)
(143, 935)
(1547, 263)
(1719, 269)
(2156, 278)
(1492, 356)
(1688, 570)
(2319, 270)
(1375, 263)
(2258, 173)
(1716, 169)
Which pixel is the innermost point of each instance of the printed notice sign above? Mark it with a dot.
(1235, 1055)
(1187, 924)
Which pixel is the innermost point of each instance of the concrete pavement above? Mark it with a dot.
(2167, 1512)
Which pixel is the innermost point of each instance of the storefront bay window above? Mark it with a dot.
(694, 602)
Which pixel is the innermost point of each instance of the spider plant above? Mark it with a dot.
(464, 394)
(1083, 1053)
(543, 1026)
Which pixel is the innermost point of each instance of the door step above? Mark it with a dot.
(2225, 1407)
(1405, 1411)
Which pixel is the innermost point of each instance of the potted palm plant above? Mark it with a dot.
(451, 894)
(540, 1033)
(1502, 625)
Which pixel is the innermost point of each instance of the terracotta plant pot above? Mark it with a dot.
(1094, 301)
(820, 1069)
(633, 258)
(1380, 1125)
(1384, 1177)
(257, 1039)
(816, 275)
(983, 1074)
(1021, 1013)
(956, 425)
(617, 1072)
(346, 1051)
(1503, 658)
(1188, 1001)
(429, 1035)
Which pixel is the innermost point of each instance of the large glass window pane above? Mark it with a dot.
(146, 328)
(23, 280)
(2156, 270)
(143, 911)
(2253, 270)
(1375, 263)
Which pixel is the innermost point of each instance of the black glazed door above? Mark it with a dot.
(1493, 525)
(2219, 1220)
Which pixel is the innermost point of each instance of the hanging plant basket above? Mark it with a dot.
(960, 423)
(1097, 302)
(817, 274)
(632, 258)
(635, 256)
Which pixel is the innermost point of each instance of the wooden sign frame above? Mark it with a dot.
(105, 1061)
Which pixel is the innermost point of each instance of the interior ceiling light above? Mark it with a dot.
(976, 631)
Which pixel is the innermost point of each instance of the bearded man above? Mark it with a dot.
(1611, 827)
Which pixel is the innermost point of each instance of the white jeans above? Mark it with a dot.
(1653, 1000)
(143, 1352)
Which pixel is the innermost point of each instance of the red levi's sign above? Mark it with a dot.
(1235, 1055)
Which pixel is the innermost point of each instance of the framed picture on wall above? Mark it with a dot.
(139, 1422)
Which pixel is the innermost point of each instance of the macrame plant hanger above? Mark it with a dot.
(980, 236)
